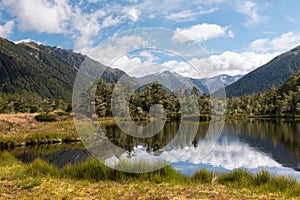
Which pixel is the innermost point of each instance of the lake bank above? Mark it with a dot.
(94, 180)
(257, 133)
(32, 133)
(23, 130)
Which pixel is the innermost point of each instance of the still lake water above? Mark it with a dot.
(251, 144)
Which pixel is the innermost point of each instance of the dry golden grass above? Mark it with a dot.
(21, 119)
(3, 126)
(49, 188)
(33, 133)
(25, 124)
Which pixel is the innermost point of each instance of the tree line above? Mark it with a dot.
(30, 102)
(284, 100)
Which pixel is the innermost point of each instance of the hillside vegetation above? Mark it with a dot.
(284, 100)
(38, 78)
(22, 70)
(274, 73)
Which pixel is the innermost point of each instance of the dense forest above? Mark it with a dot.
(141, 100)
(29, 102)
(47, 71)
(281, 101)
(284, 100)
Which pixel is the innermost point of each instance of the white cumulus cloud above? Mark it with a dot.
(85, 27)
(7, 28)
(231, 63)
(282, 43)
(113, 50)
(201, 32)
(133, 13)
(40, 15)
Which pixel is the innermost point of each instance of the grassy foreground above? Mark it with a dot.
(93, 180)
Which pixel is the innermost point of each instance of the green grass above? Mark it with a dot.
(7, 159)
(29, 175)
(202, 176)
(40, 168)
(261, 180)
(11, 141)
(91, 170)
(28, 183)
(50, 138)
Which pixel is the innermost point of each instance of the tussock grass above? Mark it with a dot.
(50, 138)
(40, 168)
(94, 170)
(5, 126)
(7, 159)
(202, 176)
(166, 174)
(28, 183)
(39, 133)
(28, 175)
(237, 178)
(261, 180)
(91, 170)
(22, 119)
(10, 141)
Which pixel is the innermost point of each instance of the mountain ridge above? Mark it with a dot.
(21, 71)
(174, 80)
(48, 71)
(275, 72)
(51, 71)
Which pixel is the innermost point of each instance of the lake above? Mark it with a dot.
(251, 144)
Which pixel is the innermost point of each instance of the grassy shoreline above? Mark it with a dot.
(37, 133)
(32, 133)
(26, 178)
(34, 179)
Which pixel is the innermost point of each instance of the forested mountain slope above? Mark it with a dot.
(274, 72)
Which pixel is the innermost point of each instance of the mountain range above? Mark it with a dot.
(174, 80)
(50, 72)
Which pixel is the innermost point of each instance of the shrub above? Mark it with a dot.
(44, 117)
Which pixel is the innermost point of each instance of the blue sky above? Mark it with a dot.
(238, 35)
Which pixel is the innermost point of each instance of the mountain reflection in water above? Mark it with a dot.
(251, 144)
